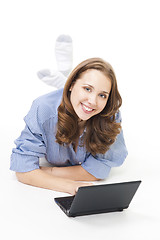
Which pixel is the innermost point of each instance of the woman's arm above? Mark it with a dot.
(76, 173)
(44, 179)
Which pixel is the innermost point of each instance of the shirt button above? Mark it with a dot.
(80, 163)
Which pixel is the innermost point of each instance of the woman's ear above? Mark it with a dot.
(72, 85)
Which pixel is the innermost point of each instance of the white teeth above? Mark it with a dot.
(88, 109)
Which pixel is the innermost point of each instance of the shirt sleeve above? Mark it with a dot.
(30, 146)
(100, 165)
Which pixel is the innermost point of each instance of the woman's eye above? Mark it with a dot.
(102, 95)
(87, 89)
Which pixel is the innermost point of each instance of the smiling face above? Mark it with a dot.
(90, 93)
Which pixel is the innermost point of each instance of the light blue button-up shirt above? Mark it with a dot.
(38, 140)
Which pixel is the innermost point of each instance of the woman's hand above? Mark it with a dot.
(74, 186)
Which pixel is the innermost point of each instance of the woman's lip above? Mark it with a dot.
(84, 107)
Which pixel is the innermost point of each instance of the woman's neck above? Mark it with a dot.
(81, 126)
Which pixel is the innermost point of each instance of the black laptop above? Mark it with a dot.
(99, 199)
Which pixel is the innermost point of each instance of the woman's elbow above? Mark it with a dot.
(25, 177)
(21, 177)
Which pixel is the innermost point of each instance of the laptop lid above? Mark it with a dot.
(102, 198)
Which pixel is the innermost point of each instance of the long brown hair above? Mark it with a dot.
(101, 129)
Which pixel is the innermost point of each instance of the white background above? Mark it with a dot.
(126, 34)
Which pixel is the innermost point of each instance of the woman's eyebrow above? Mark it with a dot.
(86, 84)
(105, 92)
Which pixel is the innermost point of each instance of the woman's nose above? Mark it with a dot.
(92, 99)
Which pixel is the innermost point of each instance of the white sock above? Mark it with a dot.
(64, 54)
(43, 73)
(57, 79)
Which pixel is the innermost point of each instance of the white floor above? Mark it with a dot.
(125, 33)
(32, 213)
